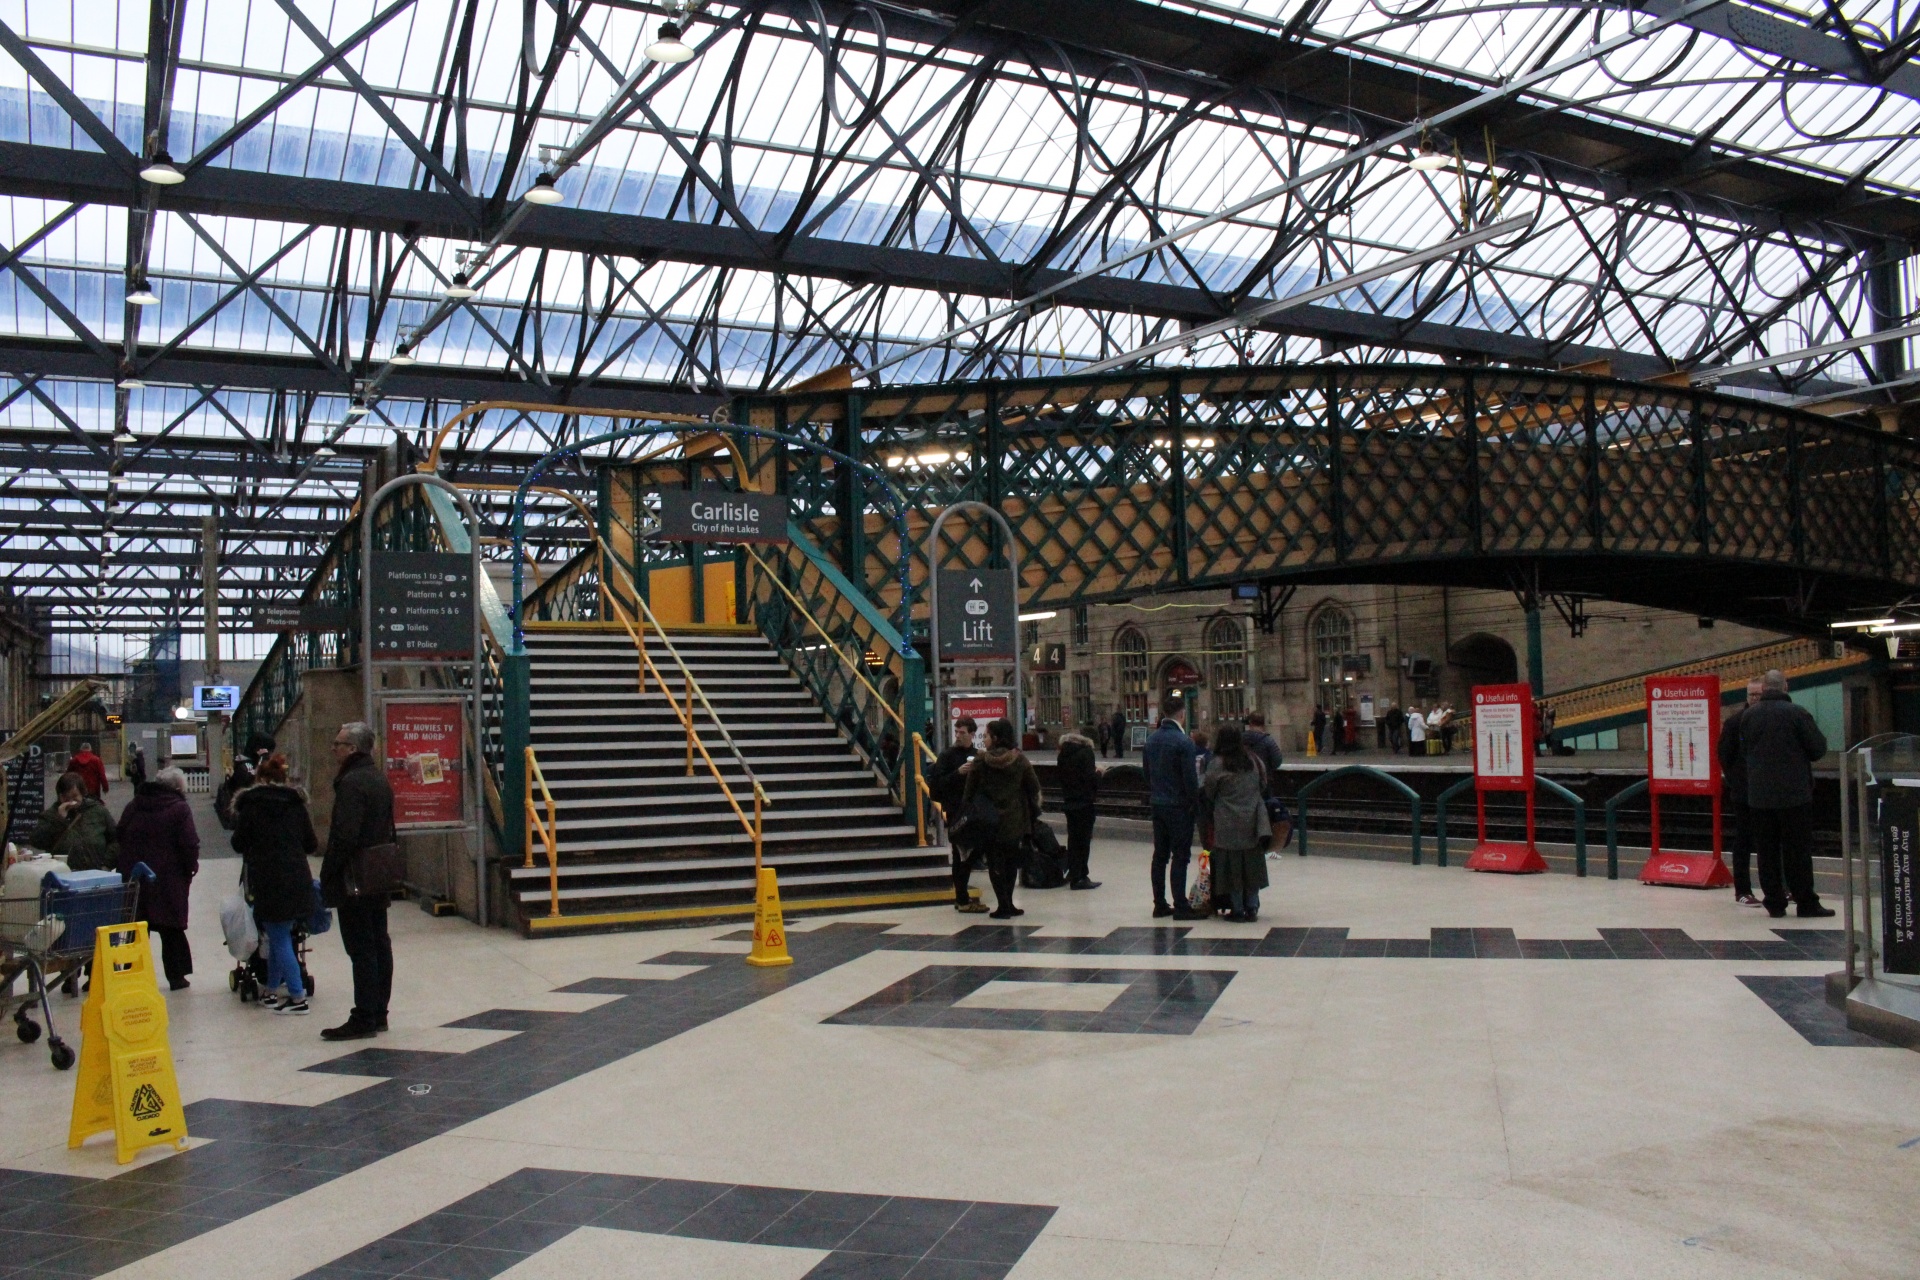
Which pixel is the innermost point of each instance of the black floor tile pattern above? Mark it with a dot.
(1802, 1004)
(266, 1152)
(1294, 943)
(1165, 1002)
(263, 1153)
(867, 1236)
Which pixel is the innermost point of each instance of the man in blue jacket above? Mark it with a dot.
(1173, 788)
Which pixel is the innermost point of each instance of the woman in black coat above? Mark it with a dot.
(273, 834)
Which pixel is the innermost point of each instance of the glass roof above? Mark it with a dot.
(861, 132)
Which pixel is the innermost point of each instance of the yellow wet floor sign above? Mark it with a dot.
(769, 930)
(125, 1082)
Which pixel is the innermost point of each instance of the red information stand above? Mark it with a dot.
(1503, 761)
(1683, 728)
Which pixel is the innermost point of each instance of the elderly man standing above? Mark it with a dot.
(362, 818)
(1779, 743)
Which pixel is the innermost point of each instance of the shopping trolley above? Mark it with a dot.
(50, 939)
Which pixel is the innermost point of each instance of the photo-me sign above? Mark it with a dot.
(695, 515)
(978, 615)
(290, 615)
(422, 606)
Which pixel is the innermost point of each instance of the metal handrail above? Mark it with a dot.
(921, 791)
(838, 652)
(754, 828)
(549, 831)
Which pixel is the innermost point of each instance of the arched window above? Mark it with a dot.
(1332, 638)
(1227, 668)
(1134, 682)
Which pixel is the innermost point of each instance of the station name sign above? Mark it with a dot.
(693, 515)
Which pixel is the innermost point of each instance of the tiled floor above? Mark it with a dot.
(1347, 1088)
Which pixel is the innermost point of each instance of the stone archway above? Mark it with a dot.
(1181, 676)
(1483, 659)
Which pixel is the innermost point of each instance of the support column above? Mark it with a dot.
(1536, 661)
(1885, 306)
(217, 753)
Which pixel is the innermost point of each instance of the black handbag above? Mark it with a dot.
(375, 872)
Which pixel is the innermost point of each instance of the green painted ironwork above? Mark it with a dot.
(1613, 825)
(1440, 817)
(1412, 798)
(1119, 485)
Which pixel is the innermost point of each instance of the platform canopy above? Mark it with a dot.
(923, 192)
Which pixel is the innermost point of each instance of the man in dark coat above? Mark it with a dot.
(1733, 785)
(362, 817)
(92, 768)
(1779, 742)
(1318, 727)
(157, 828)
(1079, 775)
(1117, 730)
(949, 782)
(1173, 790)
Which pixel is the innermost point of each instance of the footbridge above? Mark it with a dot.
(1124, 485)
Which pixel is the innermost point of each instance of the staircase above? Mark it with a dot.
(642, 844)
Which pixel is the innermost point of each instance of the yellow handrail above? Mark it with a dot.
(549, 831)
(922, 792)
(813, 622)
(755, 827)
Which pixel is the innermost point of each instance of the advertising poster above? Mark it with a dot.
(983, 707)
(424, 763)
(1683, 724)
(1899, 818)
(1503, 737)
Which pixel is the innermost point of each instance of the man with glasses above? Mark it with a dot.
(362, 818)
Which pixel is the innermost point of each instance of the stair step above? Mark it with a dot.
(932, 856)
(684, 814)
(777, 799)
(738, 884)
(839, 837)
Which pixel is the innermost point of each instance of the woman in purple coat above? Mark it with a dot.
(157, 829)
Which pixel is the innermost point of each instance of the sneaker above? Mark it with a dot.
(1748, 900)
(298, 1008)
(972, 907)
(273, 1004)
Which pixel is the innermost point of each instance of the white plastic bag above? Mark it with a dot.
(236, 922)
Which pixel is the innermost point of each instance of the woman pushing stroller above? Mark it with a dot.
(273, 834)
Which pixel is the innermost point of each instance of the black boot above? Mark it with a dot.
(356, 1027)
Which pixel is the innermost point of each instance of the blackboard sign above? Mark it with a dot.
(422, 606)
(977, 615)
(713, 515)
(1899, 825)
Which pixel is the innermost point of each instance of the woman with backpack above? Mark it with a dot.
(273, 834)
(1234, 811)
(1004, 778)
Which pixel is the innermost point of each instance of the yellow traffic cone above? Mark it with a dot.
(769, 930)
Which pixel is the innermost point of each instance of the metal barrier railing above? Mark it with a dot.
(548, 831)
(1613, 825)
(1412, 797)
(922, 793)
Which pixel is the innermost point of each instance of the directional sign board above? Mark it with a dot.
(422, 606)
(290, 615)
(978, 618)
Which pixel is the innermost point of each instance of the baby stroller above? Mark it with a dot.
(248, 944)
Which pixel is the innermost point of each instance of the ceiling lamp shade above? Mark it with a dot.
(669, 47)
(543, 191)
(326, 451)
(460, 290)
(125, 435)
(402, 355)
(162, 172)
(1427, 160)
(142, 294)
(130, 383)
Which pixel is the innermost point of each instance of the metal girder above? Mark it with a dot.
(1768, 31)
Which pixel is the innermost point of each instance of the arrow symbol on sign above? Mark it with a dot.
(975, 584)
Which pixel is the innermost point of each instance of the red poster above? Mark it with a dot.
(982, 708)
(1503, 761)
(1683, 727)
(424, 763)
(1683, 730)
(1503, 737)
